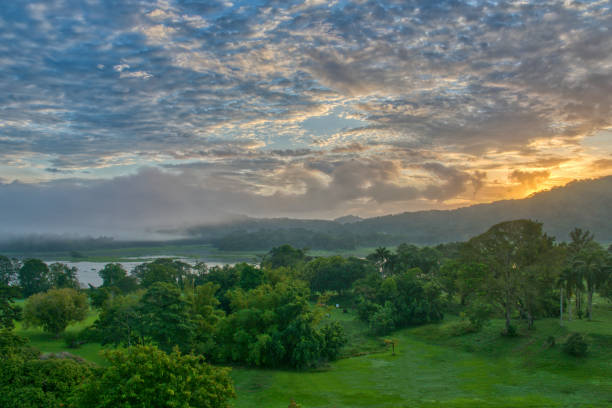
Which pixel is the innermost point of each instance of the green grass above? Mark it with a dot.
(47, 343)
(430, 369)
(433, 369)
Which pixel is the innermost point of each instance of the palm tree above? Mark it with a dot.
(590, 263)
(380, 257)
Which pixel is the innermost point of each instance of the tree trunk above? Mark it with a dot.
(529, 320)
(507, 319)
(561, 305)
(590, 304)
(569, 308)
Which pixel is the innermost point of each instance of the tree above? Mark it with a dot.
(381, 257)
(591, 264)
(579, 241)
(205, 315)
(28, 381)
(112, 274)
(250, 276)
(8, 270)
(334, 273)
(119, 320)
(63, 276)
(165, 317)
(284, 255)
(34, 277)
(55, 309)
(166, 270)
(144, 376)
(9, 311)
(510, 250)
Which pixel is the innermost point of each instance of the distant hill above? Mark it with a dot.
(586, 204)
(348, 219)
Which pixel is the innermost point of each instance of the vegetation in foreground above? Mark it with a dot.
(508, 318)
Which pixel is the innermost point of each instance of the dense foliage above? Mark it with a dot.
(27, 381)
(276, 314)
(400, 300)
(56, 309)
(144, 376)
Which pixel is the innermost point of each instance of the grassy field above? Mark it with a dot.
(47, 343)
(431, 368)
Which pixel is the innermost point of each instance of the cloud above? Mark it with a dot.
(529, 179)
(602, 164)
(443, 97)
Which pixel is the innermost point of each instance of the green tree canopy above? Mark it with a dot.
(511, 251)
(63, 276)
(144, 376)
(165, 318)
(284, 255)
(34, 277)
(112, 274)
(8, 270)
(9, 311)
(56, 309)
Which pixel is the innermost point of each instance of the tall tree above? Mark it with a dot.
(34, 277)
(9, 311)
(8, 270)
(579, 240)
(63, 276)
(510, 250)
(381, 257)
(112, 274)
(165, 317)
(591, 263)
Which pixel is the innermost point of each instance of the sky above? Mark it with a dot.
(123, 117)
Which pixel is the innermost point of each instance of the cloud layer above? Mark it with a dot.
(181, 111)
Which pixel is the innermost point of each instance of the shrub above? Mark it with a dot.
(576, 345)
(460, 328)
(72, 340)
(479, 314)
(145, 376)
(511, 332)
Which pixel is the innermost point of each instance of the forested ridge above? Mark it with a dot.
(583, 203)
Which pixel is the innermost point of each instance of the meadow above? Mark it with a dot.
(432, 367)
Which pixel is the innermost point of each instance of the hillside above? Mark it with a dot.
(585, 204)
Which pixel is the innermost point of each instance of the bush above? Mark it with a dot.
(460, 328)
(145, 376)
(576, 345)
(511, 332)
(550, 341)
(72, 340)
(479, 314)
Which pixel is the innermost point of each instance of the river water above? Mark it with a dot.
(88, 271)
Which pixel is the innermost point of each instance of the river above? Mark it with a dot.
(88, 271)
